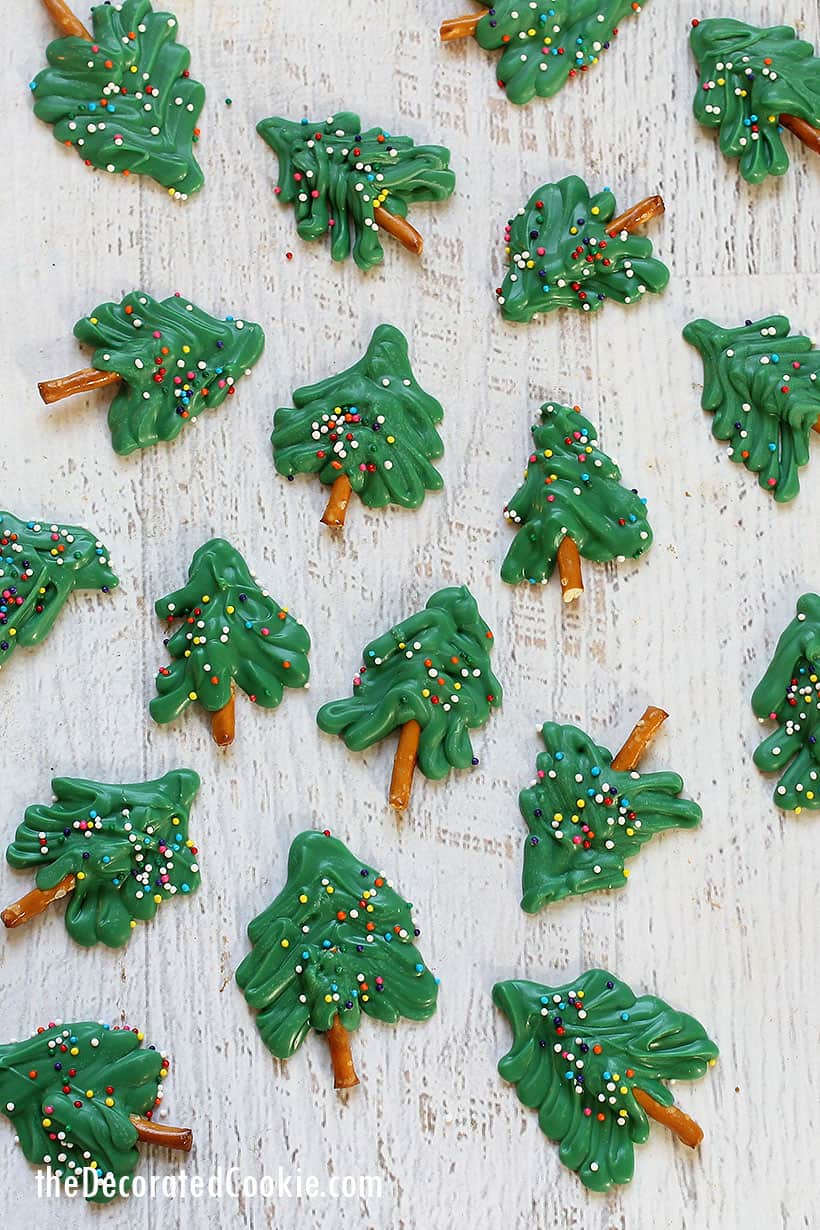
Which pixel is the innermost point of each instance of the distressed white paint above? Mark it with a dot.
(722, 922)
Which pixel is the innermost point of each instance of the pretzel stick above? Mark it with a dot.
(807, 133)
(400, 229)
(223, 722)
(404, 765)
(686, 1130)
(63, 17)
(78, 382)
(338, 1039)
(459, 27)
(336, 510)
(650, 207)
(163, 1134)
(569, 570)
(35, 902)
(638, 741)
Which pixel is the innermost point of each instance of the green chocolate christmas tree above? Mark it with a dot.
(763, 385)
(565, 249)
(591, 1058)
(542, 42)
(122, 96)
(571, 504)
(120, 851)
(371, 429)
(80, 1097)
(754, 83)
(789, 694)
(354, 184)
(40, 566)
(231, 631)
(337, 942)
(587, 812)
(430, 678)
(171, 360)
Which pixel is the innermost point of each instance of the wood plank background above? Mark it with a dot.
(722, 921)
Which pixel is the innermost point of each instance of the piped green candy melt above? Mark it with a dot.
(124, 101)
(125, 850)
(592, 1058)
(230, 631)
(41, 564)
(545, 42)
(432, 670)
(748, 78)
(372, 426)
(571, 490)
(338, 176)
(762, 383)
(80, 1097)
(586, 818)
(561, 253)
(789, 695)
(336, 943)
(174, 362)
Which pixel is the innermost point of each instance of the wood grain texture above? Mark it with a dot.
(722, 921)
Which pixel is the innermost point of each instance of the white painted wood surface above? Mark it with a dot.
(722, 922)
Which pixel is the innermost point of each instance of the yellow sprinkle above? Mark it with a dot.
(94, 320)
(132, 924)
(626, 874)
(157, 899)
(530, 264)
(206, 597)
(192, 696)
(303, 898)
(140, 1036)
(12, 631)
(391, 439)
(89, 1093)
(186, 349)
(328, 999)
(457, 687)
(370, 909)
(285, 943)
(46, 1123)
(175, 820)
(80, 875)
(75, 1050)
(365, 998)
(330, 889)
(425, 691)
(573, 230)
(109, 1101)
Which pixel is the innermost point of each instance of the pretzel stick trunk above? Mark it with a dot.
(642, 735)
(806, 132)
(672, 1117)
(459, 27)
(223, 722)
(404, 765)
(65, 20)
(400, 229)
(336, 510)
(78, 382)
(338, 1039)
(569, 570)
(162, 1134)
(647, 209)
(35, 902)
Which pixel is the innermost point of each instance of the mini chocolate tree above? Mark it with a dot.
(430, 678)
(40, 567)
(170, 360)
(119, 851)
(353, 183)
(592, 1058)
(80, 1097)
(122, 97)
(337, 942)
(371, 429)
(231, 632)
